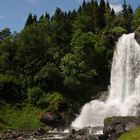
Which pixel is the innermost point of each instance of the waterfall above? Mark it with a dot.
(124, 93)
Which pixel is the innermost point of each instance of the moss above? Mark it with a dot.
(131, 135)
(111, 120)
(107, 121)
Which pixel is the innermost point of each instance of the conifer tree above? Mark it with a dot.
(125, 12)
(47, 16)
(41, 17)
(128, 16)
(101, 16)
(35, 18)
(112, 13)
(107, 5)
(31, 19)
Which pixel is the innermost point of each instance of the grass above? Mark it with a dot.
(131, 135)
(25, 118)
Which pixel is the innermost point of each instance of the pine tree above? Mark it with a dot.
(41, 17)
(47, 16)
(112, 13)
(59, 14)
(84, 5)
(35, 18)
(95, 14)
(29, 20)
(79, 9)
(128, 16)
(108, 6)
(125, 13)
(130, 10)
(101, 16)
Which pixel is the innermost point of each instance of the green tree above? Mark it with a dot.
(5, 33)
(34, 95)
(48, 77)
(31, 54)
(136, 20)
(78, 67)
(101, 14)
(7, 55)
(30, 20)
(11, 89)
(128, 16)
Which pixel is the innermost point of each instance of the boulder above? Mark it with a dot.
(52, 119)
(115, 126)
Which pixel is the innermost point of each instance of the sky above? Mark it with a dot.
(13, 13)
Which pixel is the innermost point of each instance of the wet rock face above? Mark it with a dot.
(137, 35)
(115, 126)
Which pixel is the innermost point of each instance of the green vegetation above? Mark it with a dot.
(15, 118)
(50, 100)
(63, 57)
(131, 135)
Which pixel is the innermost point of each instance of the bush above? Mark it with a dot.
(50, 100)
(119, 30)
(34, 94)
(12, 118)
(10, 89)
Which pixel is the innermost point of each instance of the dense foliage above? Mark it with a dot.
(66, 55)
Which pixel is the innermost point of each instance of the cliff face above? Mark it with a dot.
(137, 35)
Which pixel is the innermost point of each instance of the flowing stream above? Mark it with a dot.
(124, 93)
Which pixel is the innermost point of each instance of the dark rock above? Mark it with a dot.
(84, 131)
(73, 132)
(61, 115)
(40, 132)
(52, 119)
(120, 128)
(137, 35)
(62, 107)
(72, 135)
(102, 137)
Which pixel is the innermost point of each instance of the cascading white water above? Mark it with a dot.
(124, 94)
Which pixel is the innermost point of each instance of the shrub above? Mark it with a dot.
(10, 89)
(34, 94)
(27, 118)
(50, 100)
(119, 30)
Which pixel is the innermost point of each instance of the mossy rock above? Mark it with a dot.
(114, 127)
(120, 119)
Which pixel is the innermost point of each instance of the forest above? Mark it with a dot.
(64, 57)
